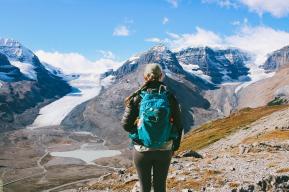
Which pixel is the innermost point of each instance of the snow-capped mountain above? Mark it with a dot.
(102, 114)
(276, 60)
(158, 54)
(19, 56)
(167, 59)
(272, 88)
(15, 51)
(25, 85)
(198, 77)
(204, 64)
(216, 66)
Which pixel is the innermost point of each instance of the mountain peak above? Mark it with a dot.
(277, 60)
(15, 51)
(159, 48)
(9, 42)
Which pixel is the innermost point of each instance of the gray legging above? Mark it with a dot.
(159, 161)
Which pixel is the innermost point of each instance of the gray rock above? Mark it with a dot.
(136, 187)
(269, 183)
(191, 153)
(131, 178)
(187, 190)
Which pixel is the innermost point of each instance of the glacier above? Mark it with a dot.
(86, 86)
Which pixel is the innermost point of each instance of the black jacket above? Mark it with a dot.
(131, 112)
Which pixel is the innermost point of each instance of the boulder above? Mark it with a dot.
(191, 153)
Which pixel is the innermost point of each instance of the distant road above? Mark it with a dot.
(60, 186)
(83, 180)
(34, 175)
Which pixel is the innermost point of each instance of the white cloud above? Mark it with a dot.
(165, 20)
(106, 54)
(222, 3)
(173, 35)
(154, 40)
(200, 38)
(258, 40)
(236, 23)
(128, 20)
(77, 63)
(121, 30)
(174, 3)
(228, 4)
(277, 8)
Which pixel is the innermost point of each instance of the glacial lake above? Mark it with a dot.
(86, 155)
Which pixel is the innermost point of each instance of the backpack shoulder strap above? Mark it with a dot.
(136, 93)
(163, 88)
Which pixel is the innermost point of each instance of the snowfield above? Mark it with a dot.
(26, 68)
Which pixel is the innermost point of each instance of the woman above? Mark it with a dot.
(148, 156)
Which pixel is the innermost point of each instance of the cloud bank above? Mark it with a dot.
(277, 8)
(77, 63)
(174, 3)
(121, 30)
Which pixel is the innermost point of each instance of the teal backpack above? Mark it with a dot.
(154, 127)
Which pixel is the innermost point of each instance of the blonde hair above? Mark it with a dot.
(153, 71)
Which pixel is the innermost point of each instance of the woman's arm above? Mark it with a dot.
(177, 123)
(130, 114)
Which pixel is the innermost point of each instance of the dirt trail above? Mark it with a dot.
(34, 175)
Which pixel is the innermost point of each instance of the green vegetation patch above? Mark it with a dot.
(278, 101)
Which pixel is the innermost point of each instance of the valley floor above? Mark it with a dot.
(26, 163)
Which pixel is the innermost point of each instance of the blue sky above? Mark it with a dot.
(116, 29)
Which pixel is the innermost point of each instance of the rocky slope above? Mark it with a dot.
(264, 91)
(253, 156)
(25, 85)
